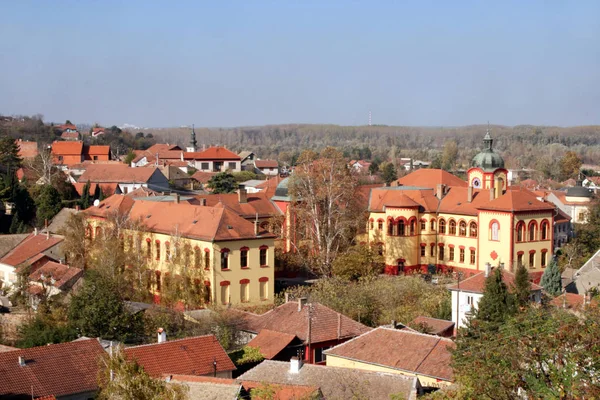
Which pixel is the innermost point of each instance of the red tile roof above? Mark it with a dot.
(270, 343)
(158, 147)
(120, 173)
(64, 127)
(570, 301)
(327, 324)
(27, 149)
(97, 131)
(143, 192)
(283, 392)
(61, 273)
(57, 369)
(108, 189)
(436, 326)
(399, 197)
(430, 178)
(404, 350)
(67, 148)
(214, 153)
(256, 203)
(4, 349)
(517, 200)
(203, 177)
(69, 135)
(29, 248)
(190, 356)
(266, 164)
(476, 283)
(115, 203)
(96, 150)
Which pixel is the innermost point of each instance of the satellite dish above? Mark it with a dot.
(96, 202)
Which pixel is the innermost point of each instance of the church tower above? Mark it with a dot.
(193, 143)
(487, 168)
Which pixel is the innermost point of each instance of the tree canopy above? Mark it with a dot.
(223, 182)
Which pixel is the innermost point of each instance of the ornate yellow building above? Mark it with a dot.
(433, 219)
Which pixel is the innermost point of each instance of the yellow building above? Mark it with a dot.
(435, 220)
(232, 257)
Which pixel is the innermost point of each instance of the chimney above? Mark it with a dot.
(256, 225)
(162, 335)
(295, 365)
(440, 190)
(469, 194)
(21, 361)
(301, 302)
(394, 324)
(177, 198)
(287, 297)
(47, 234)
(35, 232)
(77, 207)
(488, 269)
(492, 194)
(242, 194)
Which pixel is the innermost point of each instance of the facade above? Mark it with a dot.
(27, 149)
(231, 257)
(434, 221)
(70, 153)
(267, 167)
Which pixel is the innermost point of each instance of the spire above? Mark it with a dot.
(193, 142)
(487, 140)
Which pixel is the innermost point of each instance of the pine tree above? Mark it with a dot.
(389, 173)
(497, 303)
(522, 286)
(48, 204)
(85, 202)
(223, 182)
(551, 280)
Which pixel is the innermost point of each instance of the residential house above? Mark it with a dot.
(97, 131)
(68, 132)
(574, 202)
(267, 167)
(397, 351)
(213, 159)
(233, 257)
(467, 293)
(27, 149)
(176, 175)
(150, 155)
(563, 229)
(67, 371)
(96, 153)
(435, 326)
(53, 278)
(198, 356)
(587, 278)
(592, 183)
(316, 327)
(69, 153)
(360, 166)
(247, 159)
(108, 189)
(573, 302)
(334, 382)
(126, 177)
(274, 345)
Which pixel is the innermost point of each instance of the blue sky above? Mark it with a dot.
(222, 63)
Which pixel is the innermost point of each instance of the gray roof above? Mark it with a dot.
(9, 242)
(281, 191)
(253, 182)
(60, 219)
(334, 382)
(245, 154)
(212, 391)
(588, 276)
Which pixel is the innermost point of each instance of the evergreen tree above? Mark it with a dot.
(223, 182)
(497, 303)
(551, 279)
(389, 173)
(85, 200)
(522, 286)
(10, 160)
(48, 204)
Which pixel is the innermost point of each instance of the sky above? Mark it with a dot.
(239, 63)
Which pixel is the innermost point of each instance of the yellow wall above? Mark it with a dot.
(476, 173)
(487, 246)
(538, 244)
(335, 361)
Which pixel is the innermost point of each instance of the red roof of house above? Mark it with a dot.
(327, 324)
(27, 173)
(403, 349)
(570, 301)
(29, 248)
(108, 189)
(257, 203)
(430, 178)
(27, 149)
(399, 197)
(56, 369)
(189, 356)
(4, 349)
(476, 283)
(517, 200)
(64, 127)
(117, 203)
(270, 343)
(203, 177)
(158, 147)
(436, 326)
(282, 392)
(61, 273)
(97, 130)
(69, 135)
(266, 164)
(67, 148)
(213, 153)
(96, 150)
(119, 173)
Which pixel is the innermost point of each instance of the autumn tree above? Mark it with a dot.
(359, 261)
(449, 155)
(324, 200)
(569, 165)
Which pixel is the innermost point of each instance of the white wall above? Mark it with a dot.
(8, 275)
(463, 306)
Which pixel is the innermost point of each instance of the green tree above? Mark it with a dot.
(569, 165)
(9, 155)
(374, 167)
(551, 280)
(497, 303)
(389, 173)
(587, 235)
(358, 261)
(48, 325)
(223, 182)
(86, 200)
(129, 157)
(48, 204)
(522, 286)
(98, 310)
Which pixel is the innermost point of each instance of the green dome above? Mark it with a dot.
(488, 159)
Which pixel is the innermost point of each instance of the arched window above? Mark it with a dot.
(197, 257)
(401, 228)
(88, 232)
(371, 224)
(521, 231)
(380, 224)
(98, 231)
(167, 251)
(413, 227)
(423, 224)
(432, 225)
(462, 228)
(494, 230)
(442, 226)
(148, 248)
(390, 226)
(452, 227)
(532, 231)
(473, 229)
(225, 259)
(206, 259)
(158, 249)
(544, 230)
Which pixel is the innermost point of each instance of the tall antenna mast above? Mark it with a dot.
(369, 117)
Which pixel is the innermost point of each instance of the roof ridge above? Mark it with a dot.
(173, 341)
(414, 332)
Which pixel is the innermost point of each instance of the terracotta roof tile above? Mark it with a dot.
(108, 189)
(256, 203)
(29, 248)
(190, 356)
(476, 283)
(270, 343)
(214, 153)
(115, 203)
(517, 200)
(27, 149)
(203, 177)
(120, 173)
(266, 164)
(4, 349)
(97, 150)
(158, 147)
(67, 148)
(69, 135)
(404, 350)
(437, 326)
(402, 197)
(284, 392)
(430, 178)
(572, 301)
(61, 273)
(56, 369)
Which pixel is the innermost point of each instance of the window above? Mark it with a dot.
(148, 248)
(472, 258)
(224, 259)
(532, 260)
(432, 250)
(231, 165)
(520, 232)
(423, 224)
(451, 254)
(432, 225)
(95, 158)
(158, 282)
(206, 260)
(473, 229)
(441, 253)
(263, 288)
(462, 228)
(520, 259)
(442, 226)
(413, 227)
(204, 166)
(401, 228)
(263, 256)
(470, 301)
(532, 231)
(98, 231)
(390, 226)
(244, 258)
(167, 251)
(581, 216)
(88, 232)
(461, 255)
(158, 249)
(543, 259)
(196, 257)
(225, 292)
(544, 230)
(452, 227)
(244, 291)
(371, 224)
(60, 159)
(320, 356)
(495, 231)
(380, 224)
(422, 251)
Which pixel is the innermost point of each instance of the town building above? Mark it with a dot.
(51, 279)
(97, 131)
(247, 159)
(434, 221)
(587, 278)
(212, 159)
(267, 167)
(69, 153)
(27, 150)
(574, 202)
(434, 326)
(128, 179)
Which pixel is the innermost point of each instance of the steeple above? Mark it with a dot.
(193, 142)
(487, 140)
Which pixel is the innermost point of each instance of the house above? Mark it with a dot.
(27, 149)
(53, 278)
(108, 189)
(433, 220)
(587, 278)
(247, 159)
(127, 178)
(96, 153)
(199, 356)
(35, 250)
(334, 382)
(66, 371)
(574, 202)
(176, 175)
(70, 153)
(360, 166)
(397, 351)
(317, 327)
(467, 293)
(267, 167)
(97, 131)
(233, 257)
(435, 326)
(150, 155)
(563, 229)
(573, 302)
(275, 345)
(212, 159)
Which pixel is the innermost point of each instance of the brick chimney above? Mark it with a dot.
(469, 194)
(177, 198)
(301, 303)
(242, 194)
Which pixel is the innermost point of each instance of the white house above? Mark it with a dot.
(267, 167)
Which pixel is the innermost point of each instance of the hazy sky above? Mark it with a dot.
(221, 63)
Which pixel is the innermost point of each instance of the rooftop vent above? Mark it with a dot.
(194, 221)
(229, 227)
(148, 216)
(21, 361)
